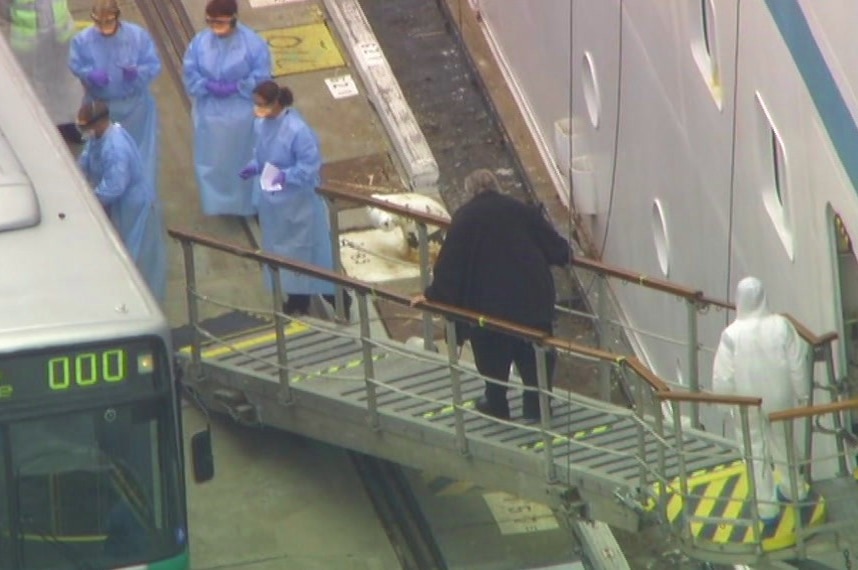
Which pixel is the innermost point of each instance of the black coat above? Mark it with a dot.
(495, 260)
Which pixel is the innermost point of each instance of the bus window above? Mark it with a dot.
(94, 486)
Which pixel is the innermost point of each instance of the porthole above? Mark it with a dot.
(592, 96)
(774, 178)
(660, 236)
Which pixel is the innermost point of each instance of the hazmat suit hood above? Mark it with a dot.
(751, 299)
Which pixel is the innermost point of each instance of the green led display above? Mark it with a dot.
(87, 369)
(127, 367)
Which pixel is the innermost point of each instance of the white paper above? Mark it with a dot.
(266, 179)
(370, 53)
(342, 86)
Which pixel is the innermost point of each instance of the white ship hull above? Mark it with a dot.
(711, 140)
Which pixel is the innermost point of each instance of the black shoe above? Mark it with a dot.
(293, 311)
(482, 405)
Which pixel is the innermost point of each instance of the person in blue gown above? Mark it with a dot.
(222, 66)
(112, 165)
(116, 62)
(293, 219)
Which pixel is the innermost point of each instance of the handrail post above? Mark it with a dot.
(285, 395)
(334, 223)
(808, 421)
(749, 469)
(639, 412)
(543, 383)
(602, 331)
(693, 364)
(662, 464)
(683, 470)
(368, 367)
(456, 385)
(792, 466)
(193, 309)
(423, 246)
(836, 419)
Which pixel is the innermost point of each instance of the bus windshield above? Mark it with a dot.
(91, 489)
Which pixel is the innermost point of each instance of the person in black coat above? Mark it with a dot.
(495, 261)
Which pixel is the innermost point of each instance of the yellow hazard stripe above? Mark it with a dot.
(710, 497)
(292, 328)
(578, 435)
(722, 493)
(733, 510)
(334, 369)
(467, 404)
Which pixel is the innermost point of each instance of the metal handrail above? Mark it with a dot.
(541, 341)
(696, 300)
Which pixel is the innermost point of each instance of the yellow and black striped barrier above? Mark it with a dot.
(721, 495)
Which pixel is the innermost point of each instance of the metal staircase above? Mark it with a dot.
(589, 459)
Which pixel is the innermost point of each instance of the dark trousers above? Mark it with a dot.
(299, 304)
(494, 352)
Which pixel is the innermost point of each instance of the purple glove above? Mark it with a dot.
(98, 77)
(129, 72)
(248, 171)
(279, 179)
(221, 89)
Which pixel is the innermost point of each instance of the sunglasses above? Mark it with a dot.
(219, 22)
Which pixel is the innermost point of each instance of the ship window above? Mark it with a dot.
(592, 97)
(774, 175)
(661, 237)
(704, 45)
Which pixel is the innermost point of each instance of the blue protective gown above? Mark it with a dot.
(294, 221)
(131, 103)
(113, 167)
(223, 127)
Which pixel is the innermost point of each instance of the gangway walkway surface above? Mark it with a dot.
(351, 386)
(596, 447)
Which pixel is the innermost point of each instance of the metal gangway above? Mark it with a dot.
(595, 463)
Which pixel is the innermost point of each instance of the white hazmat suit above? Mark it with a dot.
(761, 355)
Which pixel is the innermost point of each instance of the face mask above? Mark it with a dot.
(220, 27)
(262, 112)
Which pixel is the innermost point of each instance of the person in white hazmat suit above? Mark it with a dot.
(761, 354)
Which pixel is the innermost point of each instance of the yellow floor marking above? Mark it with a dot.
(674, 506)
(467, 405)
(292, 328)
(302, 48)
(734, 508)
(711, 496)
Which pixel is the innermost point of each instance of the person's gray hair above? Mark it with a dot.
(481, 180)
